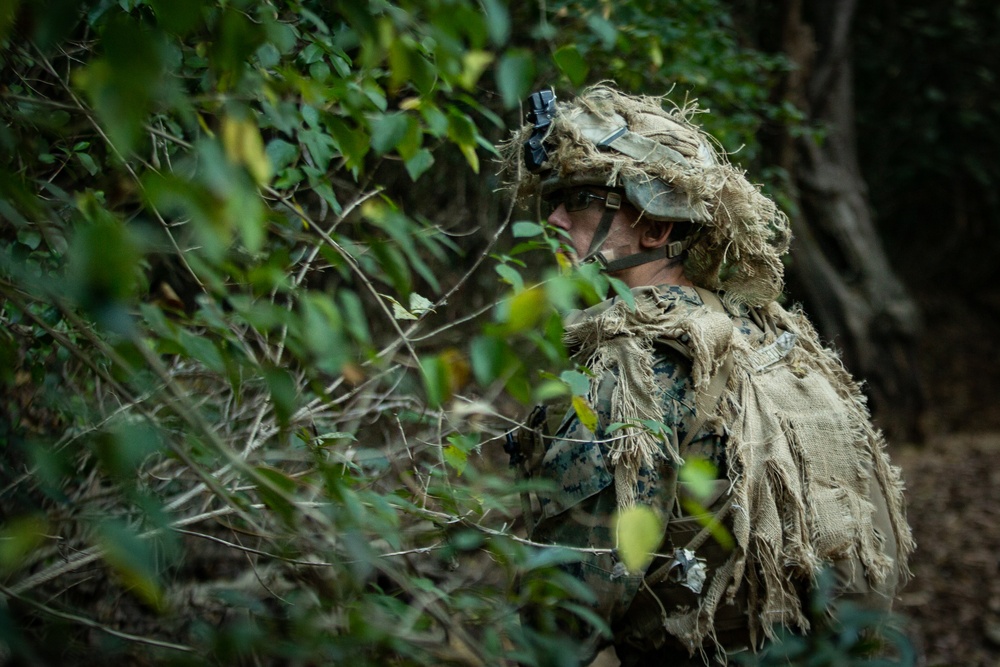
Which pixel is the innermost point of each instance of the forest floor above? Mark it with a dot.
(953, 486)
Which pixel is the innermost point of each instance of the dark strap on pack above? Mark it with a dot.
(705, 405)
(707, 401)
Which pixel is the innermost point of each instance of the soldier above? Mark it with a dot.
(706, 351)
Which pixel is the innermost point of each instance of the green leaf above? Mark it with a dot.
(700, 474)
(549, 390)
(178, 16)
(456, 458)
(133, 559)
(497, 21)
(88, 163)
(474, 63)
(623, 291)
(639, 532)
(18, 538)
(244, 146)
(656, 427)
(126, 447)
(577, 382)
(332, 438)
(510, 276)
(527, 229)
(435, 376)
(571, 63)
(526, 310)
(202, 349)
(355, 319)
(283, 392)
(274, 488)
(489, 357)
(388, 130)
(124, 85)
(514, 76)
(585, 413)
(603, 28)
(281, 153)
(421, 161)
(29, 237)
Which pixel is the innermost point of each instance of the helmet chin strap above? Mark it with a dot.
(612, 204)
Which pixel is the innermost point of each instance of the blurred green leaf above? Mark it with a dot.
(388, 130)
(489, 357)
(526, 310)
(124, 85)
(603, 28)
(134, 559)
(18, 537)
(435, 377)
(571, 62)
(456, 458)
(700, 475)
(514, 76)
(419, 163)
(497, 21)
(578, 383)
(244, 147)
(274, 490)
(283, 392)
(639, 532)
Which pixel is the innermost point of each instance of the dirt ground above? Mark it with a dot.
(953, 486)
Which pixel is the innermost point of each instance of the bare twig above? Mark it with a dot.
(90, 623)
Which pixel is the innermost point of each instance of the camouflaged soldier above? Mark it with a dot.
(804, 481)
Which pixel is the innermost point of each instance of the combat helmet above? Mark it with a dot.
(669, 169)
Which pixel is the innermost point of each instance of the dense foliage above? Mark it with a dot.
(254, 392)
(932, 125)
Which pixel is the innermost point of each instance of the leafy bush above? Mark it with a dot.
(253, 391)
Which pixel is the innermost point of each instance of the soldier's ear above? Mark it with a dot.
(655, 234)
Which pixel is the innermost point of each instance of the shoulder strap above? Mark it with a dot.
(708, 400)
(705, 405)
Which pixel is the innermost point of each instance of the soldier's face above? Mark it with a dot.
(578, 212)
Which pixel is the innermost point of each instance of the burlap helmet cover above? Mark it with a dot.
(742, 234)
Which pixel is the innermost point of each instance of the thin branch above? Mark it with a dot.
(90, 623)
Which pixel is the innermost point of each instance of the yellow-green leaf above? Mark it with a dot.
(469, 151)
(241, 139)
(456, 458)
(18, 538)
(700, 475)
(526, 310)
(474, 63)
(586, 413)
(639, 532)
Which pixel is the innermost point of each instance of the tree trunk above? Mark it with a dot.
(839, 264)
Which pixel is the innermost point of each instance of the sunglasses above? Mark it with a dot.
(574, 199)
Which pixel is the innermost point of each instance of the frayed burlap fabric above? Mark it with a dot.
(803, 459)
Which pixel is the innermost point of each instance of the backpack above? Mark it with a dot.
(809, 482)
